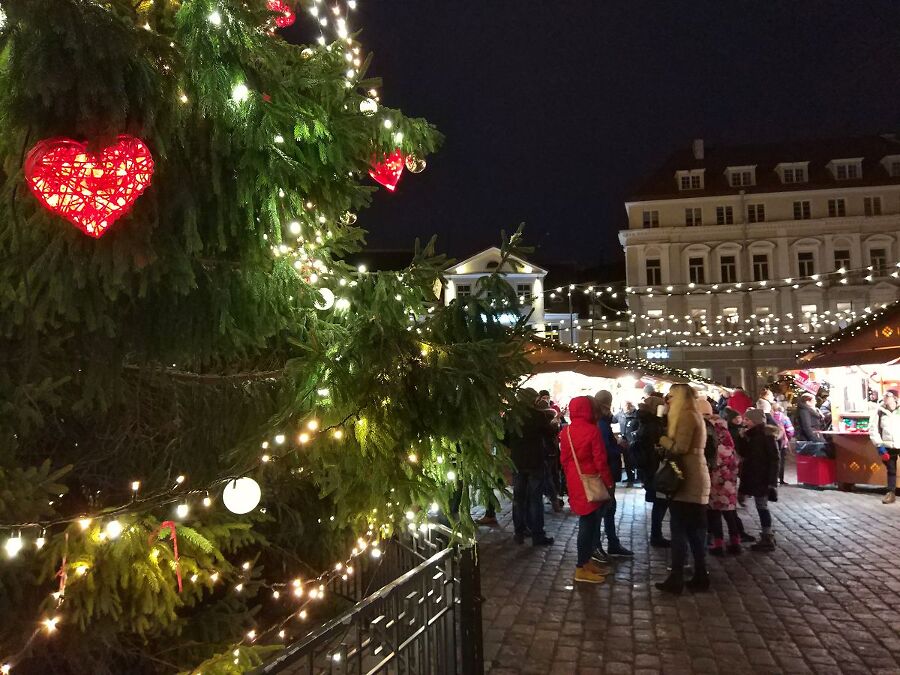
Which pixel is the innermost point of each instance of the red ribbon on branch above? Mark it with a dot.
(169, 525)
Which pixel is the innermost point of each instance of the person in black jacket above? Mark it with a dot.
(758, 449)
(809, 420)
(628, 424)
(645, 447)
(528, 446)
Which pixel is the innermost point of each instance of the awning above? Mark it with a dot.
(874, 339)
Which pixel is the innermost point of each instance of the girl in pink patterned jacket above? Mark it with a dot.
(723, 493)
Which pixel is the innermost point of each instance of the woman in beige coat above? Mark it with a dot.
(685, 441)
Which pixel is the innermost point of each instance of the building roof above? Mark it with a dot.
(766, 157)
(482, 262)
(874, 339)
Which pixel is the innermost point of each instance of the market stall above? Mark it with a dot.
(857, 364)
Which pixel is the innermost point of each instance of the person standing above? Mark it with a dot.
(628, 423)
(650, 429)
(884, 431)
(723, 478)
(809, 420)
(784, 421)
(603, 401)
(759, 472)
(528, 449)
(685, 440)
(582, 451)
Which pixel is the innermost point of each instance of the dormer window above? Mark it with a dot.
(690, 180)
(846, 169)
(793, 172)
(741, 176)
(891, 164)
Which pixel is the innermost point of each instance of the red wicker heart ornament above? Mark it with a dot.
(287, 15)
(388, 170)
(91, 191)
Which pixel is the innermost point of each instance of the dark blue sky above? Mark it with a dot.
(553, 110)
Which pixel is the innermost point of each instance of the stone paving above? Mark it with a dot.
(825, 602)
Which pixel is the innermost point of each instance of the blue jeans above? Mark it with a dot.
(528, 503)
(589, 528)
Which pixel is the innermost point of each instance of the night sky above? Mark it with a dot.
(554, 110)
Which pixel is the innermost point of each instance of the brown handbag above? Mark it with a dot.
(594, 488)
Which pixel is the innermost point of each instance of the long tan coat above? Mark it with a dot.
(688, 444)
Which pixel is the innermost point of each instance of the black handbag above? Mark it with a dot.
(669, 477)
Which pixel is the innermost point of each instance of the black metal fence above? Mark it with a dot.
(423, 616)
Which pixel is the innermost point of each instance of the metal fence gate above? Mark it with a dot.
(423, 618)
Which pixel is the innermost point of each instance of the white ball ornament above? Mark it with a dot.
(241, 496)
(327, 299)
(368, 107)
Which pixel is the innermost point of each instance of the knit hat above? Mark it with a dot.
(704, 407)
(730, 415)
(755, 415)
(764, 405)
(649, 390)
(603, 397)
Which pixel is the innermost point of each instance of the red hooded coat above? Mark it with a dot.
(740, 401)
(590, 450)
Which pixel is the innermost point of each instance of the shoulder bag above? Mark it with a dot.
(669, 477)
(594, 489)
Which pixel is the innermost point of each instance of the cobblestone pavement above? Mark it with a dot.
(825, 602)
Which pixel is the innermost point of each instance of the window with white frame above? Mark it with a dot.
(728, 269)
(741, 176)
(730, 315)
(837, 208)
(809, 318)
(793, 174)
(894, 168)
(654, 313)
(724, 215)
(806, 263)
(524, 293)
(802, 210)
(698, 320)
(654, 271)
(872, 206)
(693, 216)
(848, 169)
(878, 260)
(843, 311)
(651, 219)
(756, 213)
(463, 290)
(763, 320)
(760, 267)
(841, 259)
(696, 270)
(690, 181)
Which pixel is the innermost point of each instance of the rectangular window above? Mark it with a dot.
(761, 267)
(693, 217)
(524, 293)
(724, 215)
(651, 219)
(654, 313)
(895, 169)
(463, 290)
(802, 210)
(731, 315)
(763, 320)
(698, 319)
(728, 267)
(806, 263)
(741, 178)
(795, 174)
(696, 271)
(841, 259)
(692, 182)
(837, 208)
(810, 318)
(872, 206)
(878, 260)
(654, 272)
(756, 213)
(847, 171)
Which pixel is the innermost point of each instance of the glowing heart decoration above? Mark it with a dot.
(91, 191)
(286, 15)
(387, 171)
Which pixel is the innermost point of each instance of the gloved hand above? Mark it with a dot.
(773, 494)
(885, 455)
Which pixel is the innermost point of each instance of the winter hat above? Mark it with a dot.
(764, 405)
(604, 398)
(755, 415)
(730, 415)
(649, 390)
(704, 407)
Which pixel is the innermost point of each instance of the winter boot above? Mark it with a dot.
(735, 546)
(586, 575)
(766, 543)
(890, 497)
(699, 583)
(674, 583)
(718, 548)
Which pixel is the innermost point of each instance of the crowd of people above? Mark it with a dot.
(697, 460)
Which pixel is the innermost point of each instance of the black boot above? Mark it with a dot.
(700, 581)
(674, 583)
(659, 541)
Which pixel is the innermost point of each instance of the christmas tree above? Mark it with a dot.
(202, 407)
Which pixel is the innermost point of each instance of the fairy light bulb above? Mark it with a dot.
(214, 18)
(114, 529)
(84, 523)
(240, 93)
(182, 510)
(13, 545)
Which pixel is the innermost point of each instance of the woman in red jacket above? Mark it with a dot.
(591, 454)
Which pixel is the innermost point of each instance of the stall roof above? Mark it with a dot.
(548, 356)
(873, 339)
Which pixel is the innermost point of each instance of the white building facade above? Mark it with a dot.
(738, 257)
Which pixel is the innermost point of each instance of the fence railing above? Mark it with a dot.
(423, 616)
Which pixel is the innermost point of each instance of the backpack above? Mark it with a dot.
(712, 445)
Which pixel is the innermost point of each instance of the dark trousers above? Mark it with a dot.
(630, 464)
(552, 488)
(657, 515)
(589, 535)
(783, 455)
(892, 469)
(715, 524)
(609, 520)
(688, 529)
(528, 503)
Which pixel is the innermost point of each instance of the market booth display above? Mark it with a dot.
(857, 364)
